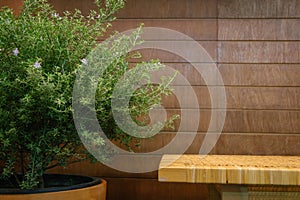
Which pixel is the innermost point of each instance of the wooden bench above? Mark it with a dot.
(235, 177)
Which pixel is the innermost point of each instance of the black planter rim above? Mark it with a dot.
(92, 182)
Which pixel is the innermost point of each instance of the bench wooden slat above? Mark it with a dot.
(231, 169)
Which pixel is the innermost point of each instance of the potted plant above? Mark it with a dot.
(41, 55)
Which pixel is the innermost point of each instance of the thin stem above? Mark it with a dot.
(58, 164)
(41, 182)
(17, 179)
(22, 162)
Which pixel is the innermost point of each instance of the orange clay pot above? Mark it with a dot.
(94, 190)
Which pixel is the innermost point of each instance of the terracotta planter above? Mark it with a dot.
(95, 189)
(15, 5)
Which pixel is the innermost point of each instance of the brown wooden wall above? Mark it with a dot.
(256, 46)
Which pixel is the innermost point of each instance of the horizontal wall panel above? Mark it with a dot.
(70, 5)
(259, 29)
(151, 189)
(179, 50)
(162, 9)
(197, 29)
(188, 97)
(236, 97)
(149, 9)
(194, 8)
(192, 73)
(259, 52)
(244, 121)
(230, 143)
(275, 121)
(237, 74)
(89, 168)
(16, 5)
(258, 144)
(260, 74)
(259, 9)
(263, 98)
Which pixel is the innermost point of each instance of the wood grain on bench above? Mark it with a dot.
(230, 169)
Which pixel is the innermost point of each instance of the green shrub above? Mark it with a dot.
(40, 54)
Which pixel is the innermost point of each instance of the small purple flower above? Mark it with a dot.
(16, 51)
(37, 64)
(55, 15)
(84, 61)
